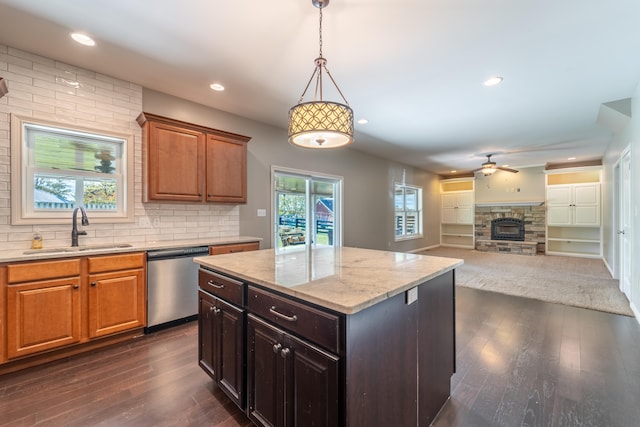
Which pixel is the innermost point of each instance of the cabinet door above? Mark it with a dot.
(464, 212)
(449, 208)
(175, 163)
(207, 334)
(586, 200)
(311, 386)
(226, 170)
(42, 316)
(559, 201)
(265, 373)
(230, 343)
(117, 302)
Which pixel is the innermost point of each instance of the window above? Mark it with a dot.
(408, 212)
(56, 168)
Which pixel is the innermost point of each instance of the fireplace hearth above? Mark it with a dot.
(507, 229)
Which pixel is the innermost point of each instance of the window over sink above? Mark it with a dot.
(57, 167)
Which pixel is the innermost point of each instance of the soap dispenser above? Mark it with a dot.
(36, 242)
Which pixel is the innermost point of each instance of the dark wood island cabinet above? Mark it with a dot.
(332, 336)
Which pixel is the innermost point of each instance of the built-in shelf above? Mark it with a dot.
(489, 204)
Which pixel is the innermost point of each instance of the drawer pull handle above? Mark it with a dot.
(215, 285)
(273, 310)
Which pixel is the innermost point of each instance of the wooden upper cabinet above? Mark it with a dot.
(184, 162)
(176, 163)
(226, 170)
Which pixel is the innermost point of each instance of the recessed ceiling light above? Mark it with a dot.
(571, 158)
(83, 39)
(363, 121)
(493, 81)
(217, 87)
(454, 171)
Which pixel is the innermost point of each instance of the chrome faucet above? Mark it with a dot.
(74, 231)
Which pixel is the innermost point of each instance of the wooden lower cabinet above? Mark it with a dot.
(52, 306)
(117, 302)
(43, 315)
(290, 382)
(387, 364)
(221, 344)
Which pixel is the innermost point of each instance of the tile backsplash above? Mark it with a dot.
(48, 89)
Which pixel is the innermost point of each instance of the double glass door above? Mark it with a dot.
(306, 209)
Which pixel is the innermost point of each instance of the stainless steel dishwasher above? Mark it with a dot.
(172, 286)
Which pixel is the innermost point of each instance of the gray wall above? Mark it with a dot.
(368, 180)
(503, 186)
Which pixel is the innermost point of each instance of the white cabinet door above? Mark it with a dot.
(457, 208)
(465, 208)
(559, 201)
(573, 204)
(586, 202)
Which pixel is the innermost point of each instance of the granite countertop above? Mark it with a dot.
(108, 248)
(343, 279)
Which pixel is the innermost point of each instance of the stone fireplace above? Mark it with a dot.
(517, 228)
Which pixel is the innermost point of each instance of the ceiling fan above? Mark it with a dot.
(489, 167)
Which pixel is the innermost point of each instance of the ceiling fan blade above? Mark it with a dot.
(502, 168)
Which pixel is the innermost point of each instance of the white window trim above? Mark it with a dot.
(420, 211)
(19, 189)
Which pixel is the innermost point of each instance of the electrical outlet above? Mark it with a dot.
(412, 295)
(145, 222)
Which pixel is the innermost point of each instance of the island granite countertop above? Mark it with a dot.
(343, 279)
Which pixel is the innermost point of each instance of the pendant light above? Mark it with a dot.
(320, 123)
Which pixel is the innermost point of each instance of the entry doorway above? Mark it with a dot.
(307, 208)
(623, 219)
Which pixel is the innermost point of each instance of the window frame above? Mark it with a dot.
(418, 212)
(22, 191)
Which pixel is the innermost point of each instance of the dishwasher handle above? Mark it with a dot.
(177, 253)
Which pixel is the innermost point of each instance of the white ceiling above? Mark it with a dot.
(413, 68)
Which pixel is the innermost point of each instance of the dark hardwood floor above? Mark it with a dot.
(520, 362)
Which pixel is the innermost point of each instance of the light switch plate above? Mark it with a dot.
(412, 295)
(262, 212)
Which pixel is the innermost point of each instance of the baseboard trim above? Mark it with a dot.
(426, 248)
(606, 264)
(636, 312)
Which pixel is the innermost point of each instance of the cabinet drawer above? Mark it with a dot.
(224, 287)
(116, 262)
(236, 247)
(33, 271)
(314, 325)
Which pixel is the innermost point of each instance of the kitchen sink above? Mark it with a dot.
(47, 251)
(102, 247)
(77, 249)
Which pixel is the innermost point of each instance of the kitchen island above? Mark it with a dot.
(329, 336)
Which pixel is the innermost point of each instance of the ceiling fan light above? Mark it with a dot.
(320, 124)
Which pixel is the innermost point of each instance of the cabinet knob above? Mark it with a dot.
(211, 309)
(276, 348)
(216, 311)
(284, 353)
(76, 286)
(93, 283)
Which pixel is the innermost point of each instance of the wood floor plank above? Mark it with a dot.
(520, 362)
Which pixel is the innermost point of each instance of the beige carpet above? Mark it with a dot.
(580, 282)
